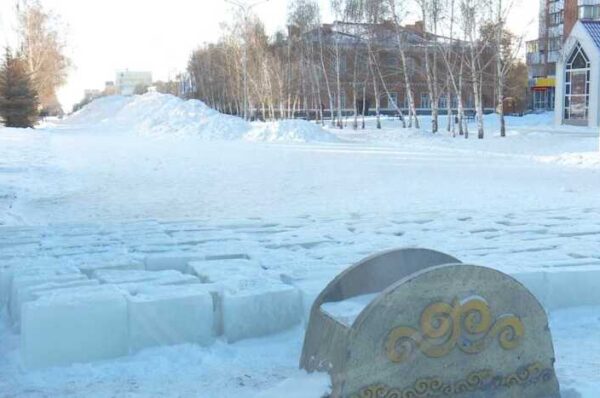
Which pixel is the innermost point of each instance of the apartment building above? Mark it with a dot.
(557, 19)
(127, 81)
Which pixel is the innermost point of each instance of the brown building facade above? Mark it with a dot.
(358, 42)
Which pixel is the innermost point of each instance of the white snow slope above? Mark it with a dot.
(100, 187)
(157, 115)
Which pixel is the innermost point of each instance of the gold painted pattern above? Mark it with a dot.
(467, 325)
(481, 380)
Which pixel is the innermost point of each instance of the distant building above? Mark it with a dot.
(126, 81)
(110, 88)
(91, 94)
(557, 19)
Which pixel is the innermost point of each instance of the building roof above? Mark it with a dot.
(593, 28)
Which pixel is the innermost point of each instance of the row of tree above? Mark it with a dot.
(32, 72)
(461, 52)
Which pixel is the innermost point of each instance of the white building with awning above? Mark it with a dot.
(577, 100)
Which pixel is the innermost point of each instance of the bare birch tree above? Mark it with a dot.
(44, 48)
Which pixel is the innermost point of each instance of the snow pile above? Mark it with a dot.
(346, 311)
(584, 160)
(159, 114)
(99, 111)
(292, 130)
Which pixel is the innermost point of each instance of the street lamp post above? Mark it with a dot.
(245, 9)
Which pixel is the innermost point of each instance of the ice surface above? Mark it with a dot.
(89, 268)
(20, 282)
(537, 284)
(77, 326)
(5, 280)
(250, 302)
(571, 288)
(33, 292)
(170, 261)
(175, 281)
(258, 307)
(128, 276)
(170, 315)
(346, 311)
(562, 288)
(222, 269)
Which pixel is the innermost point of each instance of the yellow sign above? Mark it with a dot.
(442, 325)
(545, 82)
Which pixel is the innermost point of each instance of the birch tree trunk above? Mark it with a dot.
(500, 70)
(375, 87)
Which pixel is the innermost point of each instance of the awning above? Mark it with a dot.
(543, 83)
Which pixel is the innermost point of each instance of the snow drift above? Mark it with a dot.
(155, 114)
(290, 130)
(159, 114)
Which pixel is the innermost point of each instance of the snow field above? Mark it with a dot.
(526, 204)
(295, 130)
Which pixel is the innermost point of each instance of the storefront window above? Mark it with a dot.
(577, 86)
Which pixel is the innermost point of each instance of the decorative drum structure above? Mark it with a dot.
(431, 327)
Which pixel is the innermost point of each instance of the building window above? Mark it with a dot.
(589, 12)
(443, 103)
(539, 100)
(454, 101)
(405, 104)
(577, 86)
(555, 43)
(425, 103)
(392, 100)
(469, 103)
(555, 18)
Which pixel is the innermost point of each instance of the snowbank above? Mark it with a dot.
(158, 115)
(290, 131)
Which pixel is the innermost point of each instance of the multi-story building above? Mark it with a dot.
(127, 81)
(355, 78)
(557, 18)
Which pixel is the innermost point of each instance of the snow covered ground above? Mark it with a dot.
(132, 176)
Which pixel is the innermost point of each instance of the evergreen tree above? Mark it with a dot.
(18, 99)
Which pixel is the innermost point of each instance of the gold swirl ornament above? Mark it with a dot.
(442, 325)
